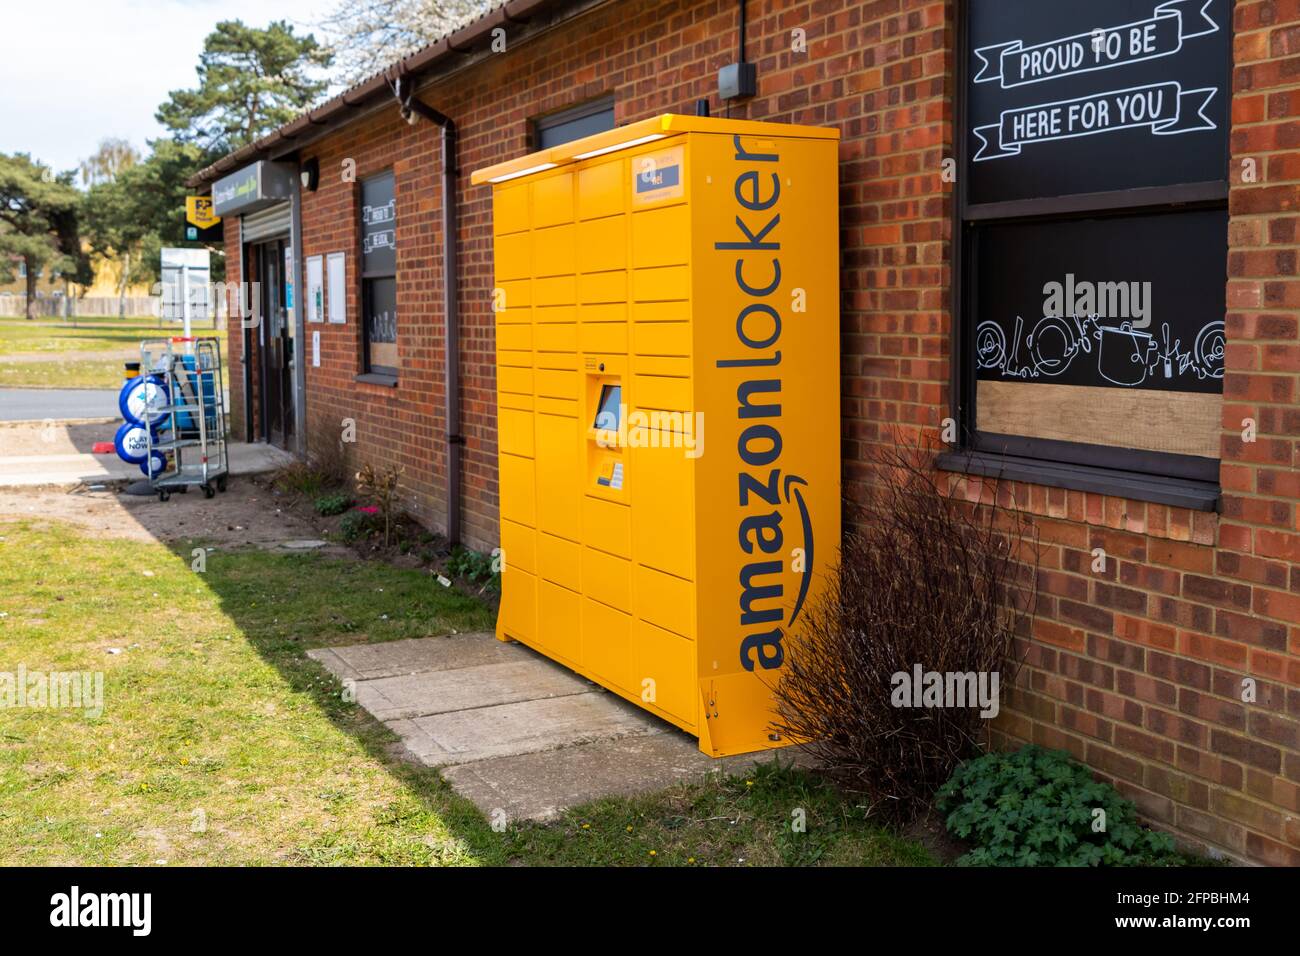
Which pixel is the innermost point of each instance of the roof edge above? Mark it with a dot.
(459, 41)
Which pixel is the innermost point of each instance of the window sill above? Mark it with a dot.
(378, 378)
(1176, 492)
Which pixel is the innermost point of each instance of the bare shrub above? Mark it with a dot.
(380, 487)
(925, 579)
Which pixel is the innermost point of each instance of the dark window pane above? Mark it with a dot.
(380, 296)
(575, 124)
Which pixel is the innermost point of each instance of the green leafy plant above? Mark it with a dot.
(334, 504)
(357, 525)
(474, 566)
(1037, 807)
(329, 505)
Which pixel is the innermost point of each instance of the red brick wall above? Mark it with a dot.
(1136, 670)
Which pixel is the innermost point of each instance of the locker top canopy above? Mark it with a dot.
(636, 134)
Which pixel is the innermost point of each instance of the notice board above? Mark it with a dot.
(1067, 97)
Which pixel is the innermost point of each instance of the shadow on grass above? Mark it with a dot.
(287, 604)
(214, 704)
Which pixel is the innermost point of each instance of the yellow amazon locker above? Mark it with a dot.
(668, 402)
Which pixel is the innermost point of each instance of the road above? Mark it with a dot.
(38, 404)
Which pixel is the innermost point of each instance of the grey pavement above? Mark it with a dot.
(38, 404)
(60, 455)
(514, 731)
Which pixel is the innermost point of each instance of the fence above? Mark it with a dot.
(62, 306)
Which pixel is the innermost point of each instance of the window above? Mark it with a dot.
(574, 123)
(1092, 214)
(379, 275)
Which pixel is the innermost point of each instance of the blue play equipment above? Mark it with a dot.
(141, 398)
(131, 443)
(156, 465)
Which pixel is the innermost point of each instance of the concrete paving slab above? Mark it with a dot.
(527, 726)
(466, 688)
(515, 731)
(368, 661)
(538, 786)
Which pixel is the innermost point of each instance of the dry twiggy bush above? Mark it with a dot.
(923, 578)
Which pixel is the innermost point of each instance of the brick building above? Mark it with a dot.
(1138, 668)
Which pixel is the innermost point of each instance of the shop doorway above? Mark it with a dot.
(275, 338)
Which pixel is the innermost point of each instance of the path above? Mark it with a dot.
(514, 732)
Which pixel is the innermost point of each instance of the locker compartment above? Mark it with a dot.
(559, 476)
(519, 546)
(559, 561)
(606, 578)
(669, 661)
(607, 644)
(559, 629)
(510, 209)
(515, 432)
(519, 620)
(663, 518)
(665, 600)
(607, 525)
(517, 478)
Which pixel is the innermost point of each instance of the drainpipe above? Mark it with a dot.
(411, 109)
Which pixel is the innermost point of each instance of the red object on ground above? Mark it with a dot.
(103, 448)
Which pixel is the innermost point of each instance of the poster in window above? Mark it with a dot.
(1065, 98)
(378, 226)
(381, 323)
(1104, 330)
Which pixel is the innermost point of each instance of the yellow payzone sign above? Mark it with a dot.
(198, 212)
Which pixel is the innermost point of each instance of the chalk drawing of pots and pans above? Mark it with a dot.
(1124, 354)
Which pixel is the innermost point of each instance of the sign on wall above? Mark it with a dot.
(201, 223)
(1069, 97)
(315, 289)
(337, 301)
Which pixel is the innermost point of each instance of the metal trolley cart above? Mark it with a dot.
(186, 442)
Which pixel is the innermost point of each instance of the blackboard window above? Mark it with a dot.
(379, 274)
(1092, 262)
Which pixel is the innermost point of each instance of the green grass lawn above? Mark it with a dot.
(79, 374)
(220, 742)
(50, 338)
(83, 334)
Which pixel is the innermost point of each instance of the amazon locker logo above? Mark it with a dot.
(771, 500)
(657, 176)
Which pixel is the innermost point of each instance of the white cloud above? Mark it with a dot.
(76, 71)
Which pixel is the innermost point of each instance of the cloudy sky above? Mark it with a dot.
(76, 71)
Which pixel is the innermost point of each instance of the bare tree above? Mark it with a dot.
(367, 35)
(113, 157)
